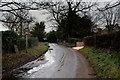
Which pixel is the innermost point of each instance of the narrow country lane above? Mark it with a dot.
(59, 62)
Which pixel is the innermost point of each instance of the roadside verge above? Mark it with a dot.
(106, 65)
(13, 61)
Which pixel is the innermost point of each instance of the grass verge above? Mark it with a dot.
(13, 61)
(70, 44)
(106, 65)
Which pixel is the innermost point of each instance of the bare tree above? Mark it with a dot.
(110, 5)
(16, 14)
(16, 23)
(15, 7)
(110, 14)
(9, 17)
(60, 10)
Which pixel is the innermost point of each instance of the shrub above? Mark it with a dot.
(111, 41)
(51, 37)
(73, 40)
(104, 41)
(21, 43)
(9, 38)
(89, 40)
(33, 41)
(116, 42)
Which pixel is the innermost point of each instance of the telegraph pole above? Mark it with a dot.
(26, 43)
(26, 31)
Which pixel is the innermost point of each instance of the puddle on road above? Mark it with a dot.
(34, 66)
(24, 69)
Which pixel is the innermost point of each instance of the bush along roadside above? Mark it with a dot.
(107, 41)
(10, 39)
(106, 65)
(13, 61)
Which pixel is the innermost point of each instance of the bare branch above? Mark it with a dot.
(108, 6)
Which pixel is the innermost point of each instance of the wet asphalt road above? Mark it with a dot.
(59, 62)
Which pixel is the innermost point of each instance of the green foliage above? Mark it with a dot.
(9, 39)
(89, 40)
(73, 40)
(38, 31)
(51, 37)
(111, 41)
(106, 65)
(74, 26)
(116, 42)
(15, 60)
(60, 36)
(21, 43)
(33, 41)
(70, 44)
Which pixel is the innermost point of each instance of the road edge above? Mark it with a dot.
(89, 72)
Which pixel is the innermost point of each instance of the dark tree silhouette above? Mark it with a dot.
(38, 30)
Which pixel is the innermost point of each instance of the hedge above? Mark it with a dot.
(10, 38)
(111, 41)
(51, 37)
(33, 41)
(21, 43)
(73, 40)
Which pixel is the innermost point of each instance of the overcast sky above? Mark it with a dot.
(41, 16)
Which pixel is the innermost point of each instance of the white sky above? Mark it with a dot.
(2, 28)
(61, 0)
(41, 16)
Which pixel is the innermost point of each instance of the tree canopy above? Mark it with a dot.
(75, 26)
(38, 30)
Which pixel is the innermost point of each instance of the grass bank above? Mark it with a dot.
(13, 61)
(106, 65)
